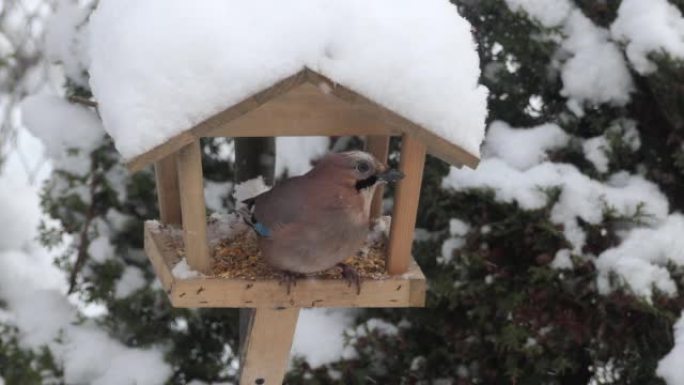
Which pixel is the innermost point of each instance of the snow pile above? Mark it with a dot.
(596, 72)
(523, 148)
(581, 196)
(294, 153)
(649, 26)
(593, 69)
(69, 131)
(159, 67)
(550, 13)
(319, 336)
(640, 260)
(596, 151)
(33, 289)
(458, 231)
(670, 367)
(131, 281)
(562, 260)
(66, 40)
(18, 213)
(182, 270)
(519, 174)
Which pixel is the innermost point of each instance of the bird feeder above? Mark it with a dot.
(305, 104)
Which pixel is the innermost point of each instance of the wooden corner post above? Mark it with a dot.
(168, 193)
(266, 352)
(193, 208)
(378, 146)
(405, 209)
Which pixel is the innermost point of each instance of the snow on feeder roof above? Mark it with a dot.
(168, 71)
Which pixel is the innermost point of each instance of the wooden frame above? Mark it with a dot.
(305, 104)
(359, 115)
(406, 290)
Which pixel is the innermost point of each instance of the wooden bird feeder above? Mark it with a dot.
(305, 104)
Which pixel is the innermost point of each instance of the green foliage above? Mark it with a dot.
(21, 366)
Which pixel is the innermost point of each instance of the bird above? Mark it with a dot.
(313, 222)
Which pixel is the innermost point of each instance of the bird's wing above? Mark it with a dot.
(284, 203)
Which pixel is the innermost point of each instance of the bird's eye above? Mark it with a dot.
(362, 167)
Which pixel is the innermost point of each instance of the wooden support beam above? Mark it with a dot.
(405, 210)
(267, 347)
(193, 208)
(378, 145)
(168, 192)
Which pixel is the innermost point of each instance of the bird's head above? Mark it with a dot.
(358, 169)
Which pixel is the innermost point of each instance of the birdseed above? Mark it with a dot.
(239, 257)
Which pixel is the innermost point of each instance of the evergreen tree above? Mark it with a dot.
(498, 309)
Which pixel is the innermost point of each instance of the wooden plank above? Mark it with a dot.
(266, 355)
(183, 139)
(305, 110)
(392, 122)
(438, 146)
(311, 292)
(193, 207)
(405, 205)
(395, 291)
(417, 293)
(168, 193)
(378, 146)
(161, 151)
(160, 253)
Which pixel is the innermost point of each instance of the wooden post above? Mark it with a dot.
(193, 208)
(405, 205)
(168, 193)
(378, 145)
(267, 347)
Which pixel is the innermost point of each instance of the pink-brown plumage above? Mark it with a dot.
(317, 220)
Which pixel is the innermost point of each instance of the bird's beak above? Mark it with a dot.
(390, 175)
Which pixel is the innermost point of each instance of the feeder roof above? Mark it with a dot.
(167, 71)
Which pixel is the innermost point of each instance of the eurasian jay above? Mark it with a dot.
(314, 222)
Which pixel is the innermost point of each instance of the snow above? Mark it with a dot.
(593, 70)
(21, 214)
(581, 196)
(562, 260)
(595, 151)
(248, 189)
(66, 42)
(596, 72)
(319, 336)
(550, 13)
(69, 131)
(295, 154)
(458, 231)
(34, 291)
(131, 281)
(215, 193)
(100, 249)
(183, 271)
(649, 26)
(159, 67)
(458, 228)
(670, 367)
(640, 260)
(523, 148)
